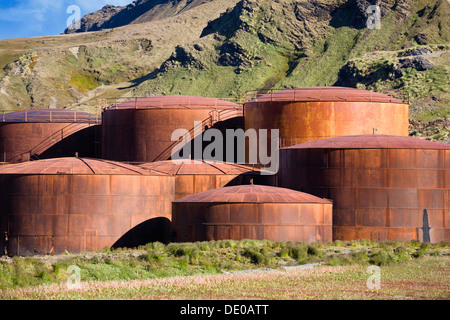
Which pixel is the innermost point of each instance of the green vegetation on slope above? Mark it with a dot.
(252, 45)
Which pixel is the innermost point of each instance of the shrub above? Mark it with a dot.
(414, 243)
(203, 246)
(257, 256)
(44, 274)
(151, 257)
(360, 256)
(313, 251)
(179, 250)
(299, 253)
(444, 244)
(435, 253)
(338, 243)
(419, 253)
(227, 244)
(155, 246)
(402, 253)
(382, 257)
(194, 256)
(341, 260)
(284, 253)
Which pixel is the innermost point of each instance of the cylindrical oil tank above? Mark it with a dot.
(140, 130)
(308, 114)
(193, 176)
(383, 187)
(252, 212)
(48, 133)
(80, 204)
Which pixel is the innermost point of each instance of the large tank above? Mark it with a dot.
(140, 130)
(48, 133)
(80, 204)
(308, 114)
(252, 212)
(195, 176)
(383, 187)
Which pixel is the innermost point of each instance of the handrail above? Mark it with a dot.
(112, 103)
(51, 140)
(44, 115)
(168, 151)
(222, 115)
(253, 95)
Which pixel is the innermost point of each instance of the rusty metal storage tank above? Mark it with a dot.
(140, 130)
(193, 176)
(383, 187)
(308, 114)
(48, 133)
(81, 204)
(252, 212)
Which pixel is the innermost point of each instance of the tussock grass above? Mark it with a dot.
(156, 259)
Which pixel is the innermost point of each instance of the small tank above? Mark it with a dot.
(48, 133)
(252, 212)
(81, 204)
(140, 130)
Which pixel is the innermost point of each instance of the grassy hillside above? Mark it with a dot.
(70, 69)
(282, 44)
(223, 48)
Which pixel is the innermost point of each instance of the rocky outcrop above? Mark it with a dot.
(139, 11)
(96, 20)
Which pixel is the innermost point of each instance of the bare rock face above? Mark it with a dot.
(96, 20)
(139, 11)
(417, 62)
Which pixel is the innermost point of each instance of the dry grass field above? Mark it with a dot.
(238, 271)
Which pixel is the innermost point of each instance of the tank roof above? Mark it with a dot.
(253, 194)
(326, 94)
(74, 165)
(49, 115)
(203, 167)
(373, 141)
(175, 102)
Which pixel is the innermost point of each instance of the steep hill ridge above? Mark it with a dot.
(139, 11)
(222, 48)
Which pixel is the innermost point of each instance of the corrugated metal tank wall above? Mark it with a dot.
(141, 130)
(382, 187)
(252, 212)
(48, 133)
(75, 204)
(308, 114)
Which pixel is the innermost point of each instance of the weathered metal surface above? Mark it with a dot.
(252, 212)
(77, 204)
(174, 102)
(373, 141)
(37, 134)
(330, 94)
(50, 115)
(380, 185)
(309, 114)
(198, 176)
(140, 130)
